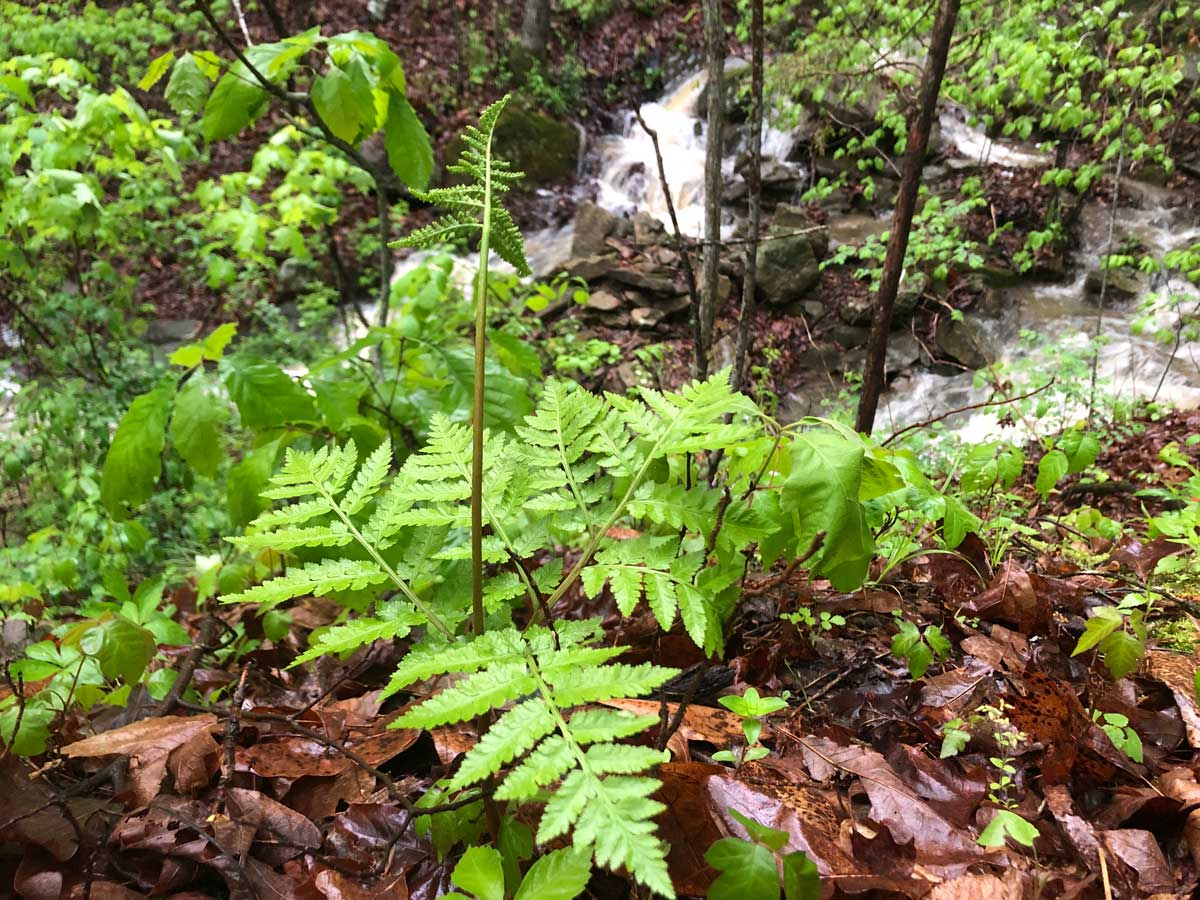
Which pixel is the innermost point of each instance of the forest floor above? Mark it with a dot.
(290, 784)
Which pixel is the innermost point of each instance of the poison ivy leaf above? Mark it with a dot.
(801, 880)
(31, 736)
(134, 458)
(1104, 621)
(1080, 448)
(408, 149)
(196, 424)
(560, 875)
(235, 102)
(1122, 652)
(265, 395)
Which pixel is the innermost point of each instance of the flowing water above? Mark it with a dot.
(1130, 365)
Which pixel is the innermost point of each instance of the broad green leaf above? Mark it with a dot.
(197, 424)
(559, 875)
(822, 491)
(1007, 824)
(343, 100)
(1104, 621)
(1054, 465)
(771, 838)
(134, 458)
(187, 88)
(11, 84)
(122, 648)
(408, 149)
(246, 482)
(1122, 653)
(801, 880)
(481, 872)
(748, 871)
(156, 70)
(32, 735)
(235, 102)
(265, 395)
(1080, 447)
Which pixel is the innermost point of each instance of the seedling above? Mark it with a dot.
(750, 870)
(753, 709)
(919, 647)
(1124, 738)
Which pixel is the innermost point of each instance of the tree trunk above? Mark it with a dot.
(535, 28)
(906, 201)
(750, 278)
(714, 45)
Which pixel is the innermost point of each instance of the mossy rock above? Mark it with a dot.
(545, 149)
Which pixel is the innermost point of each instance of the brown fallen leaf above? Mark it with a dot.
(1140, 852)
(1177, 672)
(147, 743)
(1180, 784)
(279, 832)
(979, 887)
(708, 724)
(1011, 597)
(27, 807)
(687, 824)
(192, 764)
(897, 806)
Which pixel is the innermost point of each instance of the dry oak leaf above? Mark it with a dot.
(1180, 784)
(980, 887)
(147, 744)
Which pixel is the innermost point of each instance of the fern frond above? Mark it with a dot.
(468, 205)
(555, 673)
(369, 479)
(393, 621)
(317, 579)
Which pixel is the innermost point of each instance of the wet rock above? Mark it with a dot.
(1121, 286)
(293, 277)
(736, 103)
(912, 287)
(903, 351)
(789, 262)
(857, 311)
(593, 226)
(591, 268)
(787, 267)
(604, 301)
(172, 331)
(647, 316)
(849, 335)
(965, 342)
(656, 281)
(545, 149)
(647, 230)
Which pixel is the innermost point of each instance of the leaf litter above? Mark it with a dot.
(297, 787)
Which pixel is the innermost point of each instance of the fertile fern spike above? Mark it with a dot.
(592, 786)
(466, 204)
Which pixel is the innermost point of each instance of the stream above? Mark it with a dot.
(1131, 365)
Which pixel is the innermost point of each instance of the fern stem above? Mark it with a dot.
(478, 402)
(391, 573)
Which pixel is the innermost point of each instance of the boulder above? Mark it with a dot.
(913, 286)
(591, 268)
(593, 226)
(655, 281)
(545, 149)
(789, 262)
(172, 331)
(603, 301)
(857, 311)
(965, 342)
(647, 230)
(1121, 286)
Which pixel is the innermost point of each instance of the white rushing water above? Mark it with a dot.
(1130, 366)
